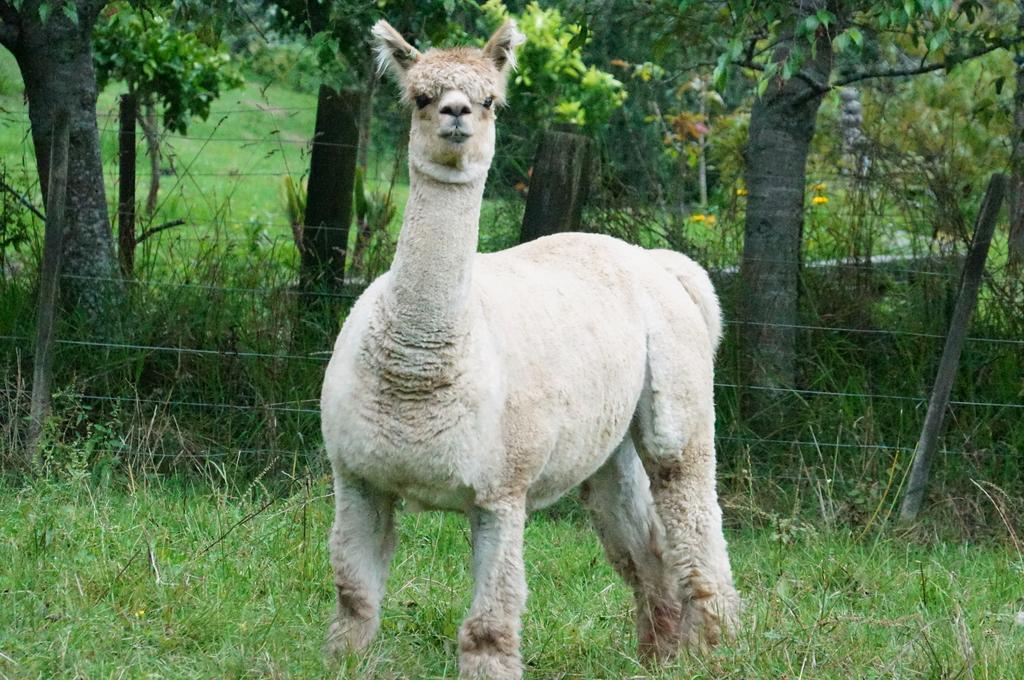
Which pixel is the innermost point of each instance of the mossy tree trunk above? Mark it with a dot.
(782, 124)
(55, 59)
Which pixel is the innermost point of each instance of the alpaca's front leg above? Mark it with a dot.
(489, 638)
(361, 544)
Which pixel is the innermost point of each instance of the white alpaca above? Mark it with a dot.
(493, 384)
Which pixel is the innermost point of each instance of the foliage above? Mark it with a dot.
(338, 31)
(161, 63)
(375, 210)
(893, 34)
(16, 225)
(953, 132)
(553, 83)
(288, 63)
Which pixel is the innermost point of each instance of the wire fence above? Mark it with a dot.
(201, 228)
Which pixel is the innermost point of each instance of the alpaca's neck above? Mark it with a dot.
(432, 272)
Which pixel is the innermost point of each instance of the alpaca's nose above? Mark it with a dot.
(456, 110)
(454, 104)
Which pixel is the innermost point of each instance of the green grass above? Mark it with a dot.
(172, 578)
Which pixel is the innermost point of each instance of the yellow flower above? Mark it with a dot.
(140, 613)
(710, 219)
(742, 192)
(820, 186)
(698, 217)
(819, 200)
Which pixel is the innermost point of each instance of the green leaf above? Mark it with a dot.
(44, 11)
(938, 40)
(762, 86)
(720, 76)
(788, 69)
(856, 36)
(999, 82)
(580, 39)
(70, 10)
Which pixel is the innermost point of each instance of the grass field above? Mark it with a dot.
(171, 578)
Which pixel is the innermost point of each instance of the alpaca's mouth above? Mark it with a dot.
(456, 135)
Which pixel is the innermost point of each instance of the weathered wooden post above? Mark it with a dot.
(332, 169)
(563, 172)
(969, 284)
(126, 184)
(49, 279)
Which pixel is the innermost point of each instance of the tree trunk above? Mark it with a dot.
(55, 60)
(151, 132)
(563, 170)
(1016, 200)
(366, 122)
(126, 184)
(781, 127)
(363, 228)
(329, 197)
(702, 145)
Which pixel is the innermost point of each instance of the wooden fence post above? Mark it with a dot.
(970, 282)
(126, 184)
(332, 170)
(563, 171)
(49, 280)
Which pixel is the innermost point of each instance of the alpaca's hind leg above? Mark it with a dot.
(489, 637)
(361, 544)
(622, 509)
(682, 478)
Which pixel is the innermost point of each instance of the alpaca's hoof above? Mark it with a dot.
(659, 651)
(489, 666)
(658, 632)
(346, 635)
(709, 619)
(489, 650)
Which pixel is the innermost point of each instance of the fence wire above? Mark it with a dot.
(767, 447)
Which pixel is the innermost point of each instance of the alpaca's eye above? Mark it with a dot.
(488, 102)
(422, 100)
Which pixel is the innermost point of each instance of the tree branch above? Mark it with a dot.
(22, 199)
(156, 230)
(953, 60)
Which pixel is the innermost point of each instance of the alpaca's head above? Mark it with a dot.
(454, 94)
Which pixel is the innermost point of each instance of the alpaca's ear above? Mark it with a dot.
(501, 48)
(392, 49)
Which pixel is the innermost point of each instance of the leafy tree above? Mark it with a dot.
(51, 41)
(552, 84)
(797, 52)
(162, 65)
